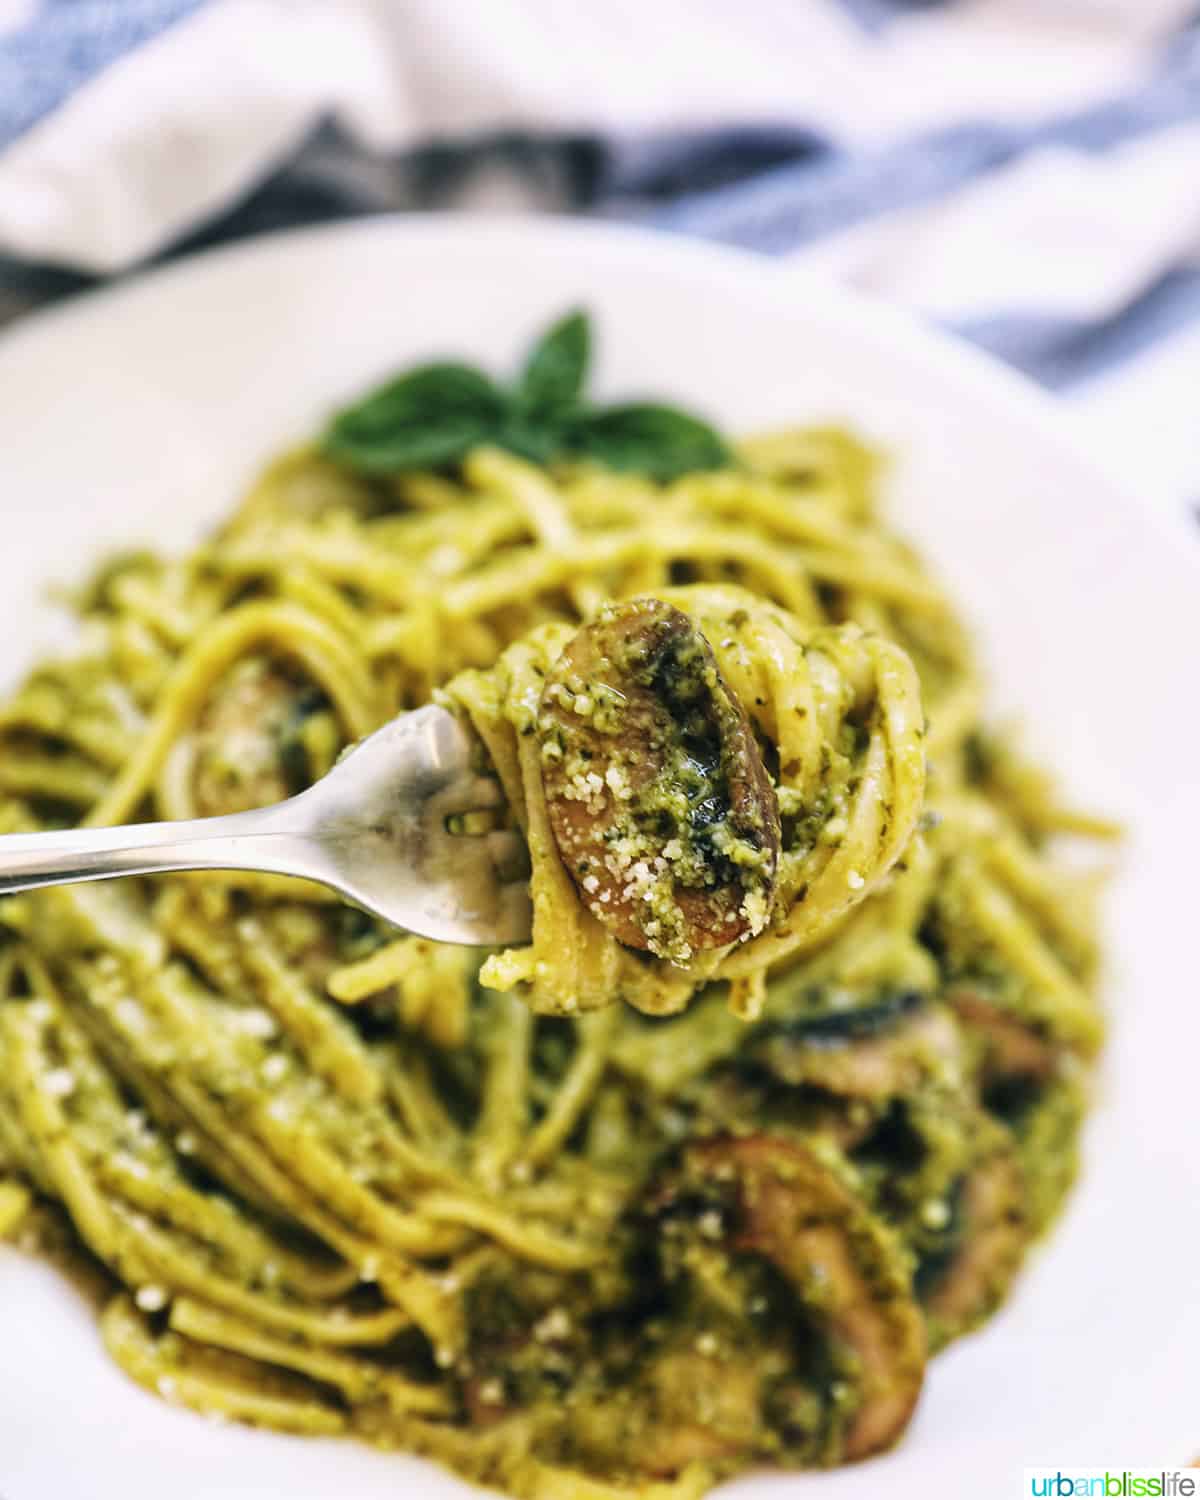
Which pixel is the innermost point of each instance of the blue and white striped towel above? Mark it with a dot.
(1026, 172)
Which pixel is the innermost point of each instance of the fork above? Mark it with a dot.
(376, 829)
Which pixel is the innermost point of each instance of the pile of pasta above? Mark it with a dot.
(325, 1178)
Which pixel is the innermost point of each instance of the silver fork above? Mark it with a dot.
(375, 829)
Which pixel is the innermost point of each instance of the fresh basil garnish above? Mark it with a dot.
(554, 374)
(648, 439)
(537, 440)
(432, 416)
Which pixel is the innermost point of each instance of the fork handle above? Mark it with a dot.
(270, 839)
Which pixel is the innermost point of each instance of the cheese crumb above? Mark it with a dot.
(59, 1082)
(257, 1023)
(935, 1213)
(274, 1068)
(554, 1326)
(710, 1225)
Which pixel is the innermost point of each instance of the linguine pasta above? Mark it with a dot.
(337, 1180)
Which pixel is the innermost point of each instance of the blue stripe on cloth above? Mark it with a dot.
(672, 164)
(874, 15)
(65, 43)
(791, 205)
(1060, 352)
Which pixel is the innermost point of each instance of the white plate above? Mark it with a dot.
(136, 415)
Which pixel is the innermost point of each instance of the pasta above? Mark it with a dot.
(338, 1180)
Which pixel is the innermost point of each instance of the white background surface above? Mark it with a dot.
(137, 415)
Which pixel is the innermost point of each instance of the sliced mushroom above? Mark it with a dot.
(775, 1199)
(963, 1287)
(1037, 1088)
(661, 806)
(856, 1055)
(1011, 1046)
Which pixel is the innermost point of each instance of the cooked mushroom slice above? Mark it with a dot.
(893, 1048)
(1011, 1048)
(965, 1285)
(766, 1200)
(661, 806)
(1036, 1088)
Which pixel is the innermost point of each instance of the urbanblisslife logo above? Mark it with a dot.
(1113, 1484)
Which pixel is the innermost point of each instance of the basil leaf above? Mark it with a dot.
(556, 369)
(434, 415)
(534, 438)
(660, 441)
(431, 416)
